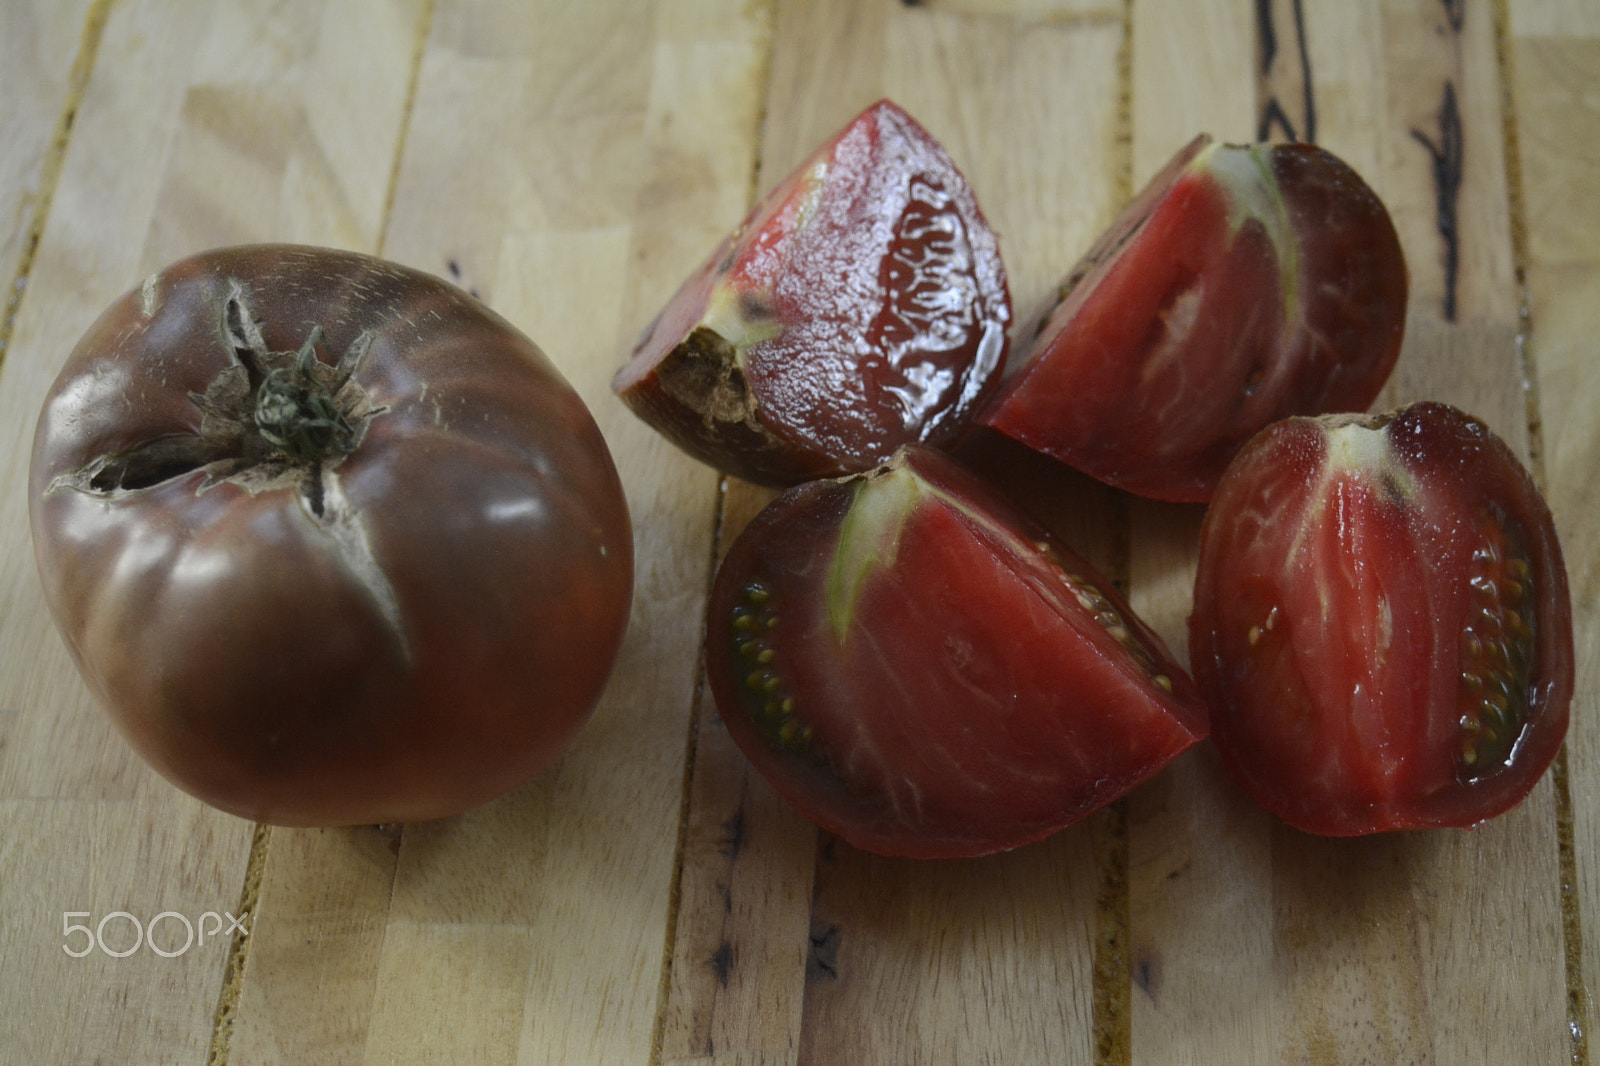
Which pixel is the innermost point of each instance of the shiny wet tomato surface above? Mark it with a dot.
(861, 306)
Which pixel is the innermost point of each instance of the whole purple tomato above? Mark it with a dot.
(331, 541)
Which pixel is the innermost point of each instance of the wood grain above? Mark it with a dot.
(884, 933)
(1555, 59)
(88, 828)
(1367, 941)
(46, 54)
(650, 900)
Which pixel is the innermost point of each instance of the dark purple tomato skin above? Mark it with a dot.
(860, 306)
(1382, 624)
(921, 670)
(400, 629)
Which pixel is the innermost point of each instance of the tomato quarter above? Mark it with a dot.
(1381, 623)
(862, 305)
(1245, 284)
(920, 669)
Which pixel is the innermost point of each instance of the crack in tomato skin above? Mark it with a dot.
(268, 420)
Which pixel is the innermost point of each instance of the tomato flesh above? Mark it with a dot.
(862, 305)
(921, 670)
(1382, 624)
(1243, 285)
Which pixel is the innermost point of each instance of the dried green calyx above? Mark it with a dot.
(268, 420)
(299, 415)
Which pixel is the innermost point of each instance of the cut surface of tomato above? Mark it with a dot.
(921, 670)
(1245, 284)
(1382, 623)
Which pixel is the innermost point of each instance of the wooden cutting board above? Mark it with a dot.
(650, 900)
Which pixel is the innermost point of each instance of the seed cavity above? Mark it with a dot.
(1497, 642)
(764, 692)
(1110, 618)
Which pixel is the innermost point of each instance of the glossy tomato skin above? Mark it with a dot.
(860, 306)
(921, 670)
(395, 632)
(1382, 624)
(1245, 284)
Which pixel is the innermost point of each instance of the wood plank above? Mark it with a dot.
(616, 153)
(1375, 950)
(106, 866)
(45, 57)
(738, 966)
(736, 973)
(1461, 348)
(1555, 60)
(1553, 18)
(318, 927)
(254, 162)
(1200, 954)
(931, 961)
(87, 826)
(1190, 73)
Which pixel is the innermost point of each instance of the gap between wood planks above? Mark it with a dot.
(94, 25)
(1112, 1007)
(698, 697)
(1516, 208)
